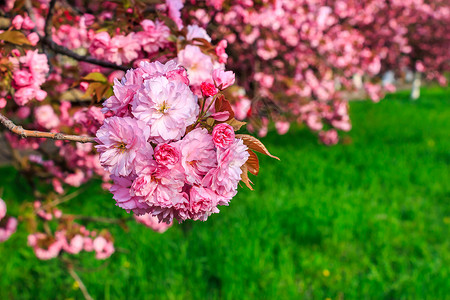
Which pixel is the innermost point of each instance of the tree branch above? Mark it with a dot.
(80, 283)
(49, 19)
(41, 134)
(64, 51)
(48, 41)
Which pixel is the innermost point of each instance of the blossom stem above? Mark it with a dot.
(80, 283)
(41, 134)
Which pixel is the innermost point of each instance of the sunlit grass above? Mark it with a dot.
(368, 219)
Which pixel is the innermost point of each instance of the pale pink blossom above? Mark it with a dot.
(202, 203)
(122, 141)
(167, 107)
(329, 137)
(225, 177)
(103, 248)
(153, 223)
(7, 227)
(154, 36)
(198, 155)
(282, 127)
(199, 65)
(121, 193)
(2, 209)
(46, 116)
(223, 79)
(44, 247)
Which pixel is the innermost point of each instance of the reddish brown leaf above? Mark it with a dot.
(255, 144)
(244, 177)
(222, 104)
(252, 163)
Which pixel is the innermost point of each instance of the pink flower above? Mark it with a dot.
(74, 246)
(45, 247)
(17, 22)
(152, 223)
(198, 154)
(223, 135)
(202, 203)
(167, 155)
(121, 193)
(46, 117)
(33, 38)
(220, 51)
(7, 227)
(122, 49)
(173, 10)
(2, 209)
(167, 107)
(27, 24)
(103, 248)
(223, 79)
(154, 37)
(329, 137)
(171, 70)
(124, 91)
(282, 127)
(208, 89)
(195, 31)
(90, 118)
(122, 141)
(225, 177)
(199, 65)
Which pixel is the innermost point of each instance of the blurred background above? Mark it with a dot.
(367, 218)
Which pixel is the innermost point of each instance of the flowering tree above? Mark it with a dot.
(297, 60)
(126, 92)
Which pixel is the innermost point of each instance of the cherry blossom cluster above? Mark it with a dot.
(164, 159)
(288, 54)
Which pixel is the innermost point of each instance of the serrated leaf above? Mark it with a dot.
(235, 124)
(14, 37)
(244, 177)
(252, 163)
(255, 144)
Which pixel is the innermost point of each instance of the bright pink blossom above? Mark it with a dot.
(223, 135)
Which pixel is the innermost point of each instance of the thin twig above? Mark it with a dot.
(64, 199)
(99, 219)
(41, 134)
(80, 283)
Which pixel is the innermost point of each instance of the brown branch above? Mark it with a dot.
(80, 283)
(64, 51)
(41, 134)
(49, 19)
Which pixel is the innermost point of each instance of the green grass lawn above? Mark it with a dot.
(363, 220)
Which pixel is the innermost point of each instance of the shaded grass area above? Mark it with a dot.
(366, 219)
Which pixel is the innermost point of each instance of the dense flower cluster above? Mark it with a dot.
(163, 159)
(290, 55)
